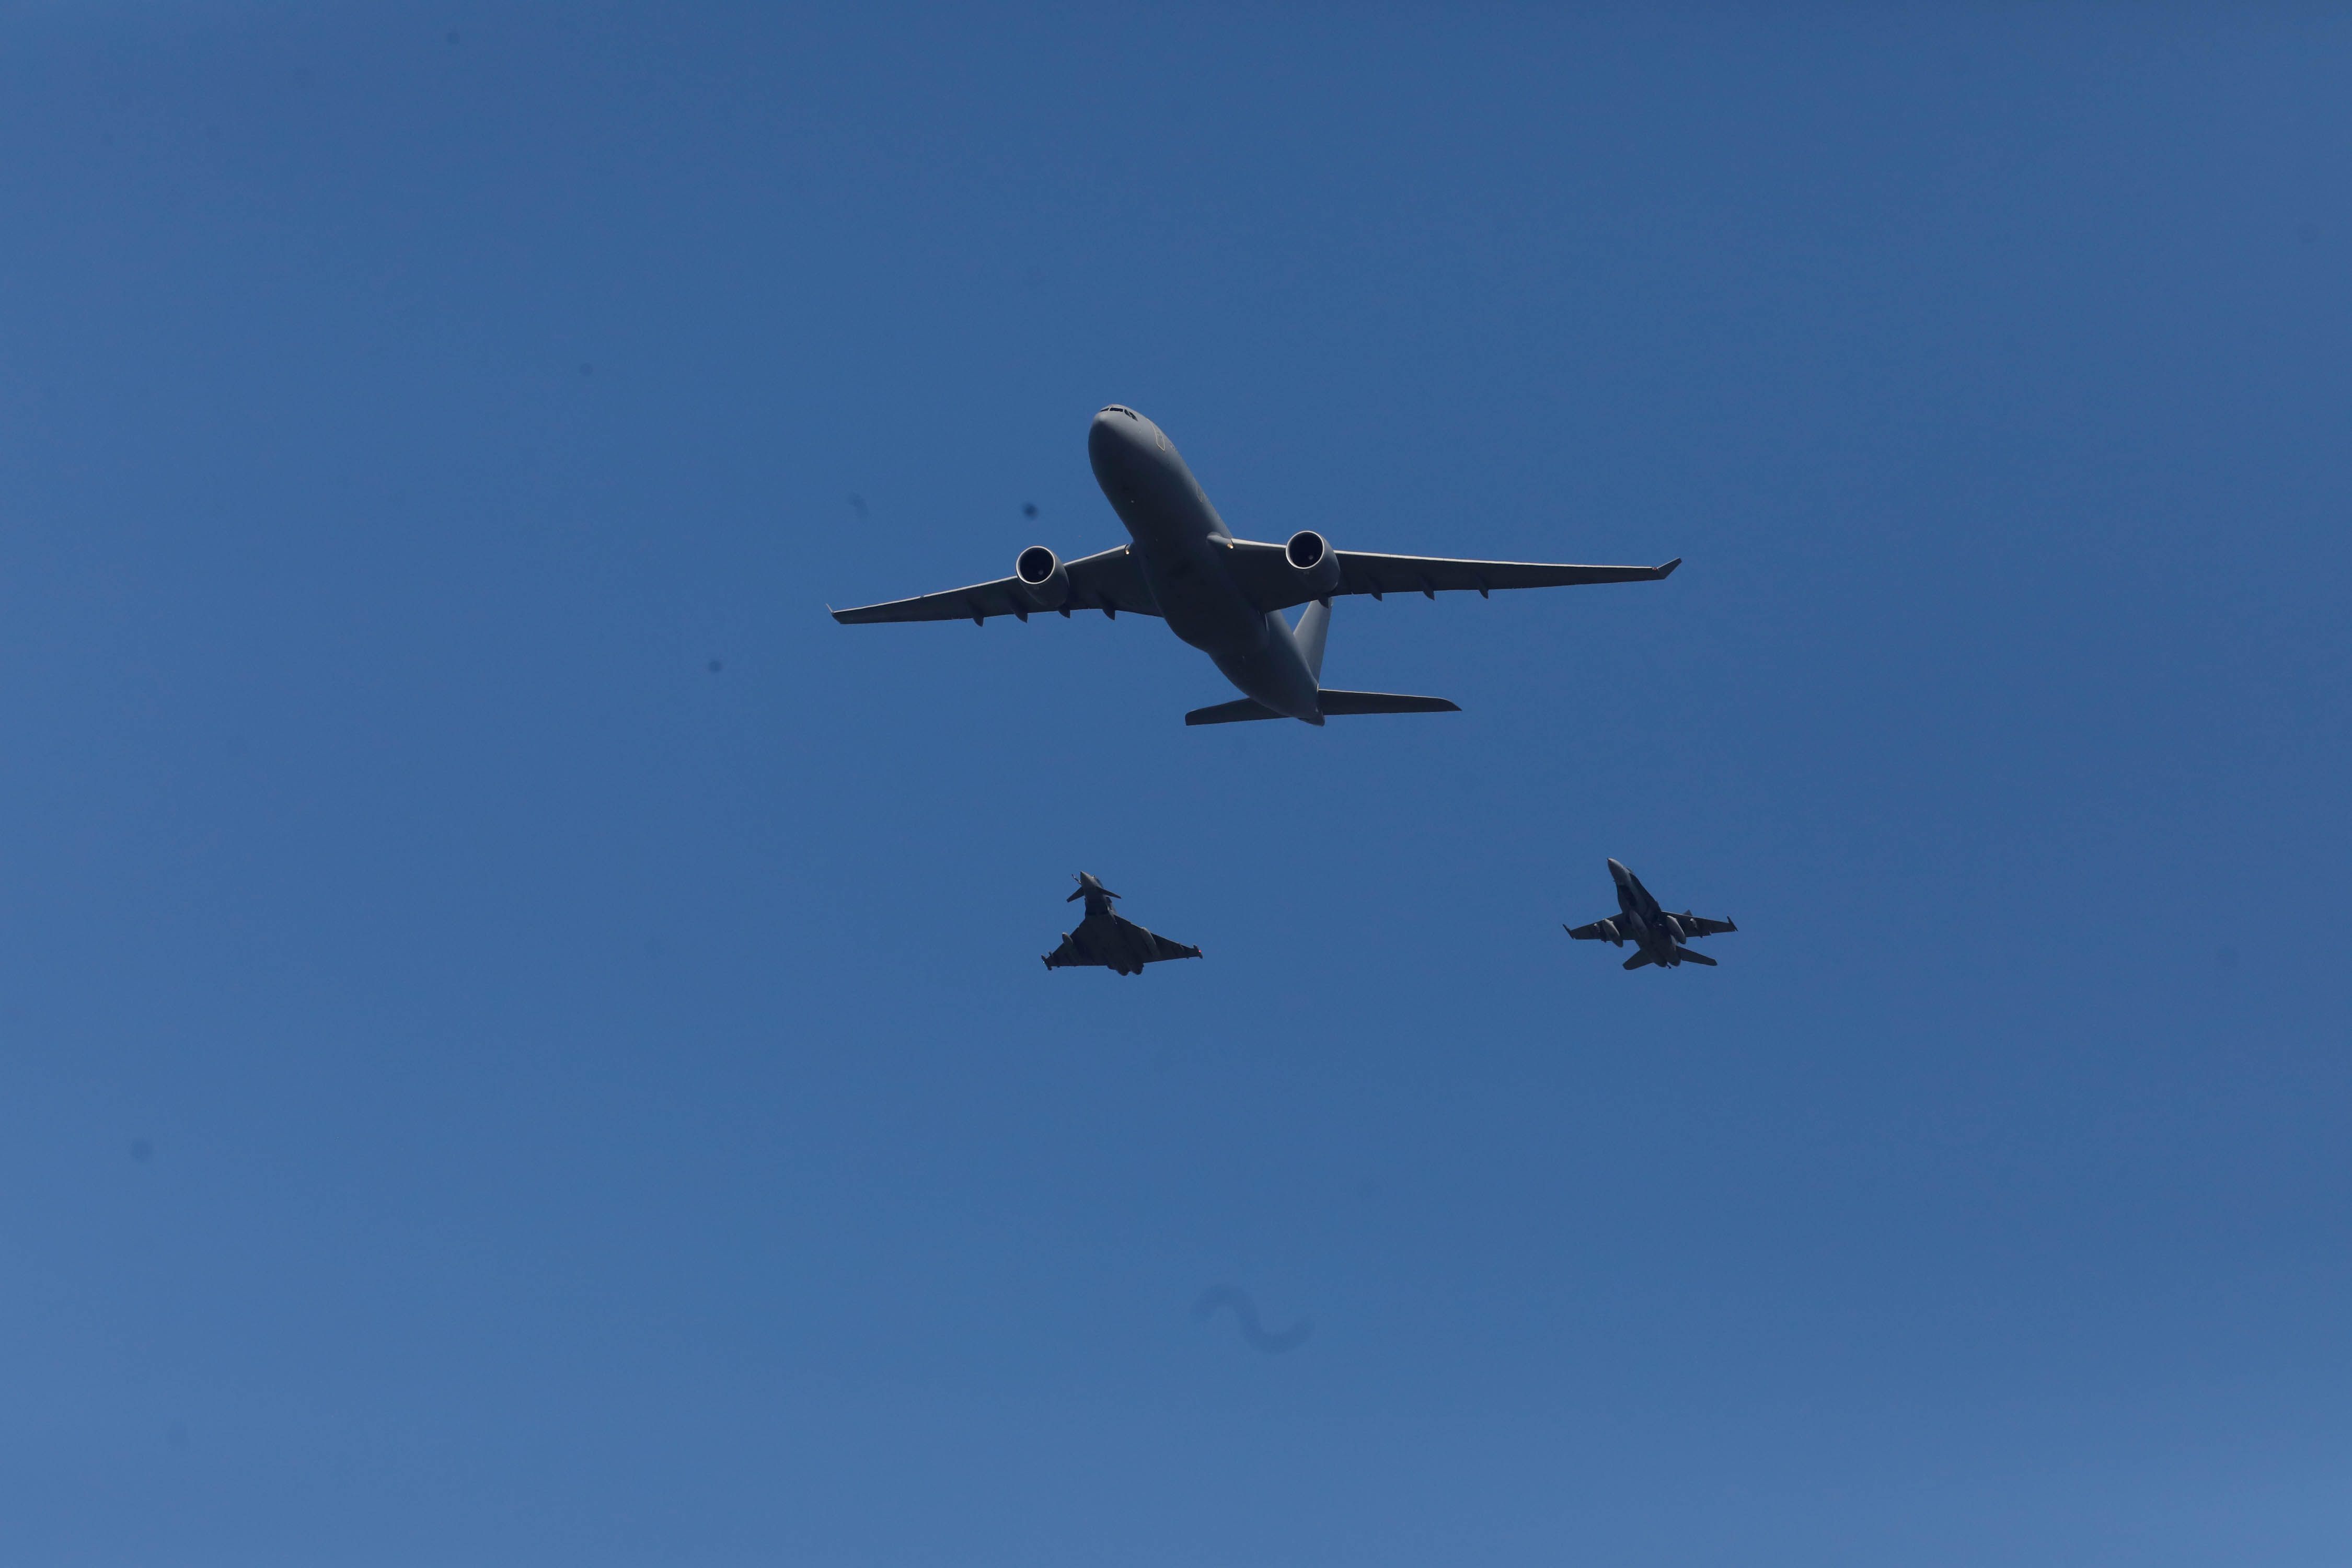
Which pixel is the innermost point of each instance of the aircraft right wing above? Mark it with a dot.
(1360, 573)
(1699, 925)
(1266, 574)
(1106, 580)
(1151, 947)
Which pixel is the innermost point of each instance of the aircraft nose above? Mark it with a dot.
(1117, 426)
(1115, 441)
(1618, 871)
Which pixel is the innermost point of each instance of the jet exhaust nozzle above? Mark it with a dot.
(1316, 564)
(1044, 579)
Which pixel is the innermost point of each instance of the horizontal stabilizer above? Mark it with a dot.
(1638, 959)
(1336, 705)
(1690, 955)
(1333, 703)
(1240, 712)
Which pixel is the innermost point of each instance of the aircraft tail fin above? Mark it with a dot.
(1240, 712)
(1314, 626)
(1336, 705)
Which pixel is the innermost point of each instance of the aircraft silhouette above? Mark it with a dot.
(1105, 940)
(1657, 934)
(1221, 594)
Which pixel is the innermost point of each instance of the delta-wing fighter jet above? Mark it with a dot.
(1221, 594)
(1658, 935)
(1105, 940)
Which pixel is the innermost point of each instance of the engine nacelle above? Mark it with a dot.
(1674, 926)
(1044, 580)
(1315, 562)
(1609, 932)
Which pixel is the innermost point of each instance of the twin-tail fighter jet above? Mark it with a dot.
(1658, 935)
(1105, 940)
(1221, 594)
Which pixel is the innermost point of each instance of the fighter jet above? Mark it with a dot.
(1657, 933)
(1104, 940)
(1221, 594)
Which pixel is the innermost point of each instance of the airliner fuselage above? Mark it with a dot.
(1185, 553)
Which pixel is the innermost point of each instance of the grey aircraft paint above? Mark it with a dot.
(1657, 935)
(1105, 940)
(1221, 594)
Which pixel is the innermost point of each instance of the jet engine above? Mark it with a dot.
(1674, 926)
(1044, 580)
(1609, 932)
(1316, 564)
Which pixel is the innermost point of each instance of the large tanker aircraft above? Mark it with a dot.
(1221, 594)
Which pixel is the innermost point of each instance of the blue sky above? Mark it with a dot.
(523, 1041)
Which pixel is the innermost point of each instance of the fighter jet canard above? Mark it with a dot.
(1221, 594)
(1639, 920)
(1105, 940)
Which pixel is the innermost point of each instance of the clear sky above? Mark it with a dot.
(523, 1041)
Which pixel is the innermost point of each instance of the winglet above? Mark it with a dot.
(1668, 569)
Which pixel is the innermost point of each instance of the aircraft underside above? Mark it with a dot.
(1221, 594)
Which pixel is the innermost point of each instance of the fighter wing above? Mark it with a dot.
(1151, 948)
(1107, 581)
(1699, 925)
(1111, 942)
(1267, 577)
(1594, 934)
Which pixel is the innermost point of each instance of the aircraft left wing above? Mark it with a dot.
(1594, 934)
(1107, 581)
(1267, 577)
(1699, 925)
